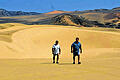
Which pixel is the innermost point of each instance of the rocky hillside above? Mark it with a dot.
(68, 19)
(98, 17)
(4, 12)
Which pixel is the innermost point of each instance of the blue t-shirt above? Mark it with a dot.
(76, 47)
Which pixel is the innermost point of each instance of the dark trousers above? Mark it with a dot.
(54, 57)
(74, 55)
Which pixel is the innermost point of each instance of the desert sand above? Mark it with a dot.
(25, 53)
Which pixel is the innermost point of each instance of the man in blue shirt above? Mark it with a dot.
(76, 49)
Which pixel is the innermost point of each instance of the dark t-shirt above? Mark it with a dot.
(76, 46)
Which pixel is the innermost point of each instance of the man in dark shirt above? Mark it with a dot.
(76, 49)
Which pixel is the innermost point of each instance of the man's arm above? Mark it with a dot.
(71, 48)
(53, 49)
(59, 51)
(80, 49)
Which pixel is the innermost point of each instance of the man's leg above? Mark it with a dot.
(79, 59)
(53, 58)
(57, 58)
(73, 58)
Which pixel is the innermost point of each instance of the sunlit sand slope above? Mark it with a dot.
(100, 58)
(36, 42)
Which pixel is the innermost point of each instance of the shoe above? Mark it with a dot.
(73, 62)
(53, 62)
(79, 62)
(57, 62)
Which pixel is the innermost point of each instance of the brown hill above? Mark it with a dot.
(57, 12)
(117, 8)
(68, 19)
(112, 15)
(108, 17)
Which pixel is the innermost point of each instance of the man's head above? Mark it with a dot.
(56, 42)
(77, 39)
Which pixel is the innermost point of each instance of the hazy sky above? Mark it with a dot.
(50, 5)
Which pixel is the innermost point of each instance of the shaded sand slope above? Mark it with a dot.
(36, 42)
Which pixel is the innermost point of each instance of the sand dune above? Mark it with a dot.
(25, 53)
(36, 42)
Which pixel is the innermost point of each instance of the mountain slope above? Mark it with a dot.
(4, 12)
(68, 19)
(97, 17)
(58, 12)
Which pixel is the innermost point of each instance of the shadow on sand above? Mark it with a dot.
(46, 63)
(65, 64)
(59, 63)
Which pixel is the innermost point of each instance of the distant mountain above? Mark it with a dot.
(4, 12)
(58, 12)
(88, 18)
(117, 9)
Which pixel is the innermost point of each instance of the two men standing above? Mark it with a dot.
(76, 49)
